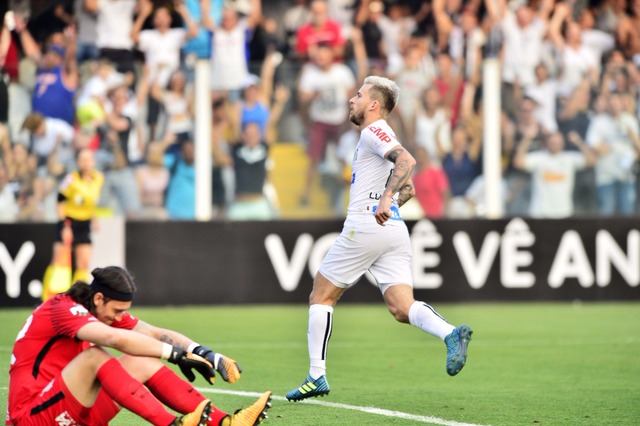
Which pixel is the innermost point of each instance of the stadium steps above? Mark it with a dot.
(288, 175)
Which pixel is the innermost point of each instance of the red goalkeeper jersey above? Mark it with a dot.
(46, 344)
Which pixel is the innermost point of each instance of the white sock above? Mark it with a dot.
(426, 318)
(318, 335)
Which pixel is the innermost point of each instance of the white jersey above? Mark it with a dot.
(114, 24)
(333, 87)
(371, 171)
(553, 179)
(229, 61)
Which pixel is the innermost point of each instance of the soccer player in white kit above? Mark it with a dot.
(375, 239)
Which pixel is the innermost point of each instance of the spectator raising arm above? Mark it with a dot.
(29, 46)
(444, 24)
(192, 26)
(252, 20)
(145, 9)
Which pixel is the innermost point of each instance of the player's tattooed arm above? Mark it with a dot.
(166, 339)
(406, 193)
(163, 334)
(401, 175)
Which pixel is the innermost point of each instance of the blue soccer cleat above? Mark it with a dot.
(457, 343)
(310, 388)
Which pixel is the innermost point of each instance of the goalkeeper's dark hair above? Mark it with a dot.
(112, 277)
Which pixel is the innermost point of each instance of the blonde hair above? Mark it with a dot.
(384, 90)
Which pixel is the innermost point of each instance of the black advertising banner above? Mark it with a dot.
(25, 252)
(274, 262)
(474, 260)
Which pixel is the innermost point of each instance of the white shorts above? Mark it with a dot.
(363, 246)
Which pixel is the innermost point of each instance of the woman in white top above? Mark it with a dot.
(577, 60)
(177, 102)
(153, 179)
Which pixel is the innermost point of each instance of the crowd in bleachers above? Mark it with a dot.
(117, 76)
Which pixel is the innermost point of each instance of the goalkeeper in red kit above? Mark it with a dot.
(60, 372)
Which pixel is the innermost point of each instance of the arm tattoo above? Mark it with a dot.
(401, 172)
(406, 193)
(166, 339)
(393, 155)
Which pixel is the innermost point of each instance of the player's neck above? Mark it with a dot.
(369, 120)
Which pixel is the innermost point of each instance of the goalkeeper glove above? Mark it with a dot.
(189, 361)
(226, 367)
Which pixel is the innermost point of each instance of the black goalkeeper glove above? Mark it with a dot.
(225, 366)
(188, 362)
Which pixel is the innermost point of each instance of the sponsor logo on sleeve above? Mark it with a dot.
(381, 134)
(78, 310)
(65, 419)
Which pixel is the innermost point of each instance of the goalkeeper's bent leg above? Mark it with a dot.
(179, 395)
(131, 394)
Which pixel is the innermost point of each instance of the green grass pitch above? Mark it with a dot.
(529, 363)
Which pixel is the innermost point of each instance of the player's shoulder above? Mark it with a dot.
(379, 131)
(64, 301)
(62, 307)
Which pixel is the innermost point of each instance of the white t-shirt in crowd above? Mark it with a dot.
(162, 52)
(467, 48)
(228, 59)
(333, 86)
(545, 95)
(426, 128)
(553, 178)
(54, 130)
(94, 88)
(616, 164)
(393, 33)
(599, 42)
(370, 170)
(178, 114)
(523, 49)
(412, 83)
(575, 65)
(115, 21)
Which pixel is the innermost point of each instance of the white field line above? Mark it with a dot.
(368, 410)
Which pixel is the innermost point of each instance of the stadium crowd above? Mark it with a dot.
(117, 76)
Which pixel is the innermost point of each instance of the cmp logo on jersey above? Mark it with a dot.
(381, 134)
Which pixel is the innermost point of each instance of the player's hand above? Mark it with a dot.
(189, 361)
(383, 212)
(225, 366)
